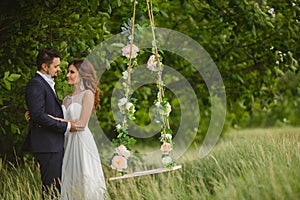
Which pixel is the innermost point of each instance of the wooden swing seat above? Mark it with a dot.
(146, 172)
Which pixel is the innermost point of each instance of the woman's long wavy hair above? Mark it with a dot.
(89, 78)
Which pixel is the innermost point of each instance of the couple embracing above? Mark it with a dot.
(58, 136)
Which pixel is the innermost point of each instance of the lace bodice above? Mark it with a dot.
(79, 107)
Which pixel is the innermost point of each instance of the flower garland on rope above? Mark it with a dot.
(163, 107)
(126, 107)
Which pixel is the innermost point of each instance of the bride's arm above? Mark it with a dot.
(60, 119)
(27, 117)
(87, 108)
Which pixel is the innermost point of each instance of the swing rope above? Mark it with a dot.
(130, 64)
(160, 83)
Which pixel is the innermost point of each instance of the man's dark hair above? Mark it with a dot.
(46, 56)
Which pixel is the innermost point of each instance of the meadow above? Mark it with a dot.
(245, 164)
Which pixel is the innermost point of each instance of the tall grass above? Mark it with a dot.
(19, 182)
(249, 164)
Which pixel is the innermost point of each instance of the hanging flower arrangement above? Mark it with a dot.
(126, 106)
(163, 107)
(162, 112)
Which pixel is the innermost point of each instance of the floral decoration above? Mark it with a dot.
(163, 107)
(126, 106)
(130, 51)
(154, 64)
(119, 163)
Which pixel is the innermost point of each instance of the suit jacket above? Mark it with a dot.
(45, 134)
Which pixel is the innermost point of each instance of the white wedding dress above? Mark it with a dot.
(82, 174)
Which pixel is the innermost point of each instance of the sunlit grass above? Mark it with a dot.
(19, 182)
(248, 164)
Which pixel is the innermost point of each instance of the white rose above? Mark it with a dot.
(123, 151)
(168, 109)
(129, 106)
(157, 104)
(168, 136)
(122, 102)
(118, 126)
(125, 75)
(166, 160)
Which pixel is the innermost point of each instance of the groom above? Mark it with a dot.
(45, 137)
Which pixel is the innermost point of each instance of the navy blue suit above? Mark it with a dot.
(45, 137)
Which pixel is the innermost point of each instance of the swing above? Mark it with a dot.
(127, 109)
(146, 172)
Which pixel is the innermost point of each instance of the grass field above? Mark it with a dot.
(249, 164)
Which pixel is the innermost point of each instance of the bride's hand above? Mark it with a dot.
(59, 119)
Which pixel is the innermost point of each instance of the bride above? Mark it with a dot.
(82, 174)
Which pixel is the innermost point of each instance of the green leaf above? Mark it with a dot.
(120, 135)
(14, 128)
(7, 85)
(254, 31)
(6, 74)
(270, 24)
(13, 77)
(133, 100)
(3, 130)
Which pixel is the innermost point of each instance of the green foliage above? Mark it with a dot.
(252, 43)
(255, 45)
(28, 28)
(123, 138)
(7, 79)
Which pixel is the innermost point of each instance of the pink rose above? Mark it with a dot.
(130, 51)
(165, 148)
(154, 64)
(119, 162)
